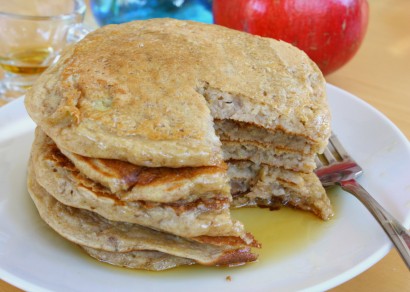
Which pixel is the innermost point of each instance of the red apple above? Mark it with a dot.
(329, 31)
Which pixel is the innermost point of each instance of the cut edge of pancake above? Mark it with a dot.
(266, 186)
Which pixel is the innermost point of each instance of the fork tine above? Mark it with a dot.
(318, 162)
(338, 147)
(333, 153)
(329, 156)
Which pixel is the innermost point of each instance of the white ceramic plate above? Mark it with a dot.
(34, 258)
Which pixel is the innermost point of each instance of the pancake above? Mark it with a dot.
(231, 130)
(91, 230)
(142, 259)
(146, 92)
(265, 186)
(264, 153)
(158, 184)
(204, 216)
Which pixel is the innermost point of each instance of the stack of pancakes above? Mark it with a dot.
(145, 130)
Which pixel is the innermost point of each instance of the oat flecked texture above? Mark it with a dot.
(147, 92)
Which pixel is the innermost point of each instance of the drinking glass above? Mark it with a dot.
(32, 36)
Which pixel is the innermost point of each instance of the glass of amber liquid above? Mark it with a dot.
(32, 35)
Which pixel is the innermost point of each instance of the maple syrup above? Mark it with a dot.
(27, 61)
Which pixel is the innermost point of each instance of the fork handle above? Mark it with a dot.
(397, 233)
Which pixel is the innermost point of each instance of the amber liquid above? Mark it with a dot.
(28, 61)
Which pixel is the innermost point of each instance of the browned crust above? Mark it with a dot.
(228, 240)
(236, 257)
(215, 203)
(134, 175)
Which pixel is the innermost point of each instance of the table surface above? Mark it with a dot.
(379, 74)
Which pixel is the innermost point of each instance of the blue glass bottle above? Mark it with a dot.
(120, 11)
(207, 4)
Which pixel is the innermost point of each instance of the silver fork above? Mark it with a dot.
(336, 167)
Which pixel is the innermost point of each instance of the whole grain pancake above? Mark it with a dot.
(141, 259)
(230, 130)
(131, 182)
(266, 186)
(91, 230)
(204, 216)
(264, 153)
(147, 92)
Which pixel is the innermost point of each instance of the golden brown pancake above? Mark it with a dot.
(141, 259)
(131, 182)
(147, 92)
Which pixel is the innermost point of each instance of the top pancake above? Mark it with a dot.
(145, 92)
